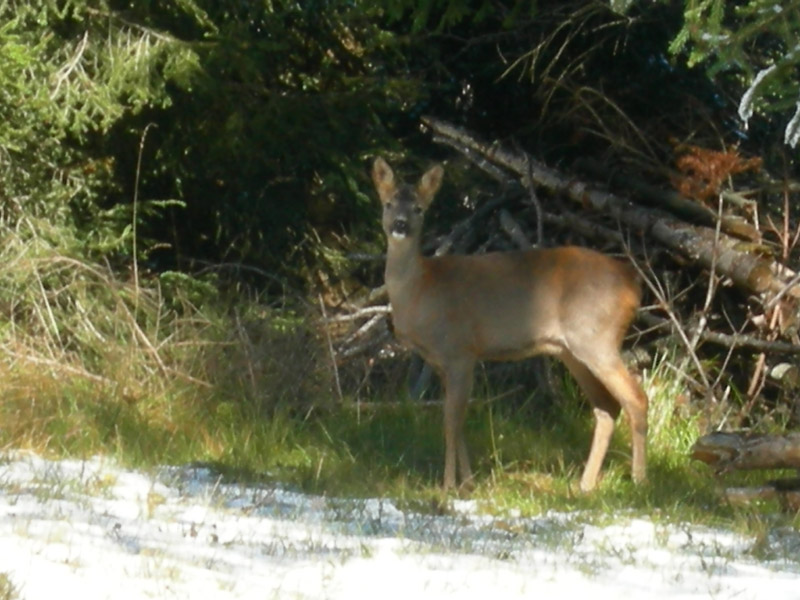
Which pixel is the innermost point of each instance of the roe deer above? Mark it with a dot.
(570, 302)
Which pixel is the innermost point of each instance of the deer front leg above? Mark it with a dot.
(458, 386)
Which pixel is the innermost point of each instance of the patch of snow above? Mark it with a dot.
(747, 103)
(94, 530)
(792, 133)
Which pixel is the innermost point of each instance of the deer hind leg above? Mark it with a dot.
(606, 410)
(458, 387)
(621, 388)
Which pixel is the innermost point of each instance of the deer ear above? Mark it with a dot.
(429, 184)
(383, 178)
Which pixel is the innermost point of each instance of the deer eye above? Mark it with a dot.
(417, 209)
(388, 206)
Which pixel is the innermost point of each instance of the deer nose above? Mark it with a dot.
(400, 228)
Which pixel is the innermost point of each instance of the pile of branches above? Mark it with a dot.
(719, 291)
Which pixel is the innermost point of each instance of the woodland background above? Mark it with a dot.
(189, 228)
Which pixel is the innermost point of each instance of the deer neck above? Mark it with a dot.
(403, 270)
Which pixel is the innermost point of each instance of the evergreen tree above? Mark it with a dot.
(756, 45)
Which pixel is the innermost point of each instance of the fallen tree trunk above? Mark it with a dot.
(705, 247)
(727, 452)
(673, 202)
(736, 451)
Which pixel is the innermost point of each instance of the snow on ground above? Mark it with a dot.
(92, 530)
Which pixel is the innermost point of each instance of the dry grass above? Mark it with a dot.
(91, 361)
(8, 590)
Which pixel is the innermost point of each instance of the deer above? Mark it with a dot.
(570, 302)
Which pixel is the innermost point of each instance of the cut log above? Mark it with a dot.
(739, 451)
(736, 451)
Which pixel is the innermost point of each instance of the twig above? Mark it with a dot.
(756, 381)
(134, 217)
(657, 292)
(50, 315)
(536, 204)
(137, 330)
(514, 231)
(367, 311)
(726, 340)
(731, 349)
(246, 343)
(354, 350)
(362, 331)
(190, 378)
(60, 365)
(782, 292)
(332, 352)
(712, 279)
(759, 378)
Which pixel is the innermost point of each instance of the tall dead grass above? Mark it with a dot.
(89, 356)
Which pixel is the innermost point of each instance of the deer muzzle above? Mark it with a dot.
(400, 229)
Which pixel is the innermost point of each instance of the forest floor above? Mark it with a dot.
(90, 529)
